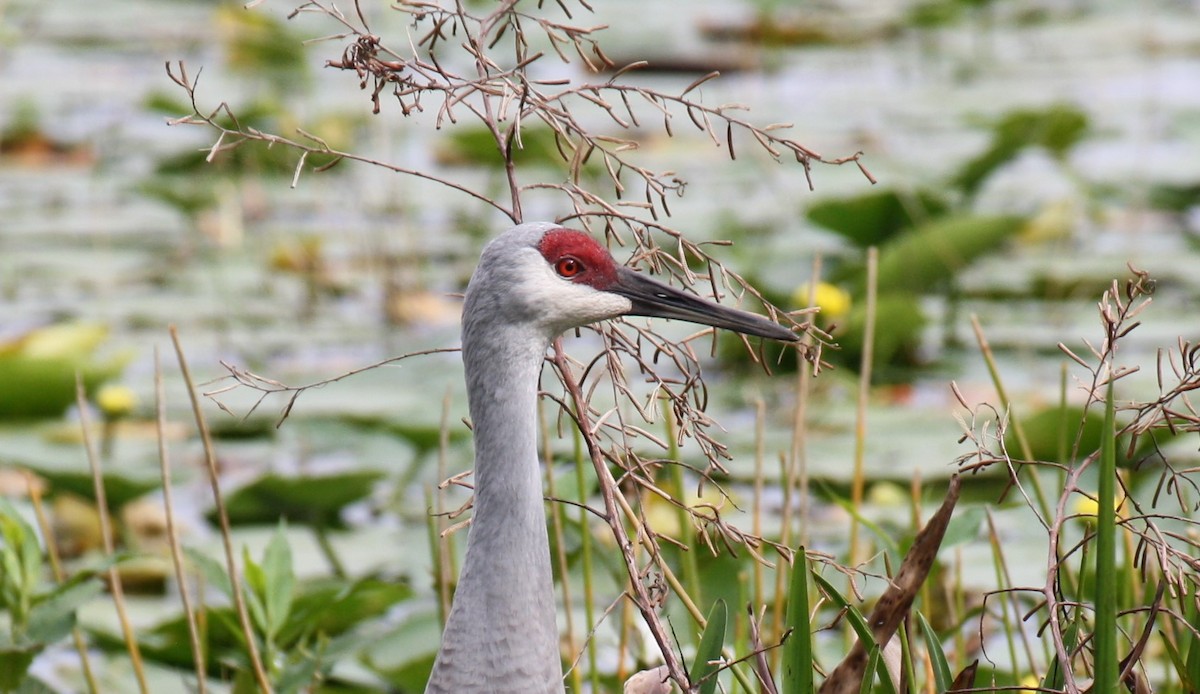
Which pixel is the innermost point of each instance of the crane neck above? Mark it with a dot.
(502, 632)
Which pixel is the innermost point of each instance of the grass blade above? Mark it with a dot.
(933, 645)
(859, 623)
(708, 655)
(1105, 635)
(797, 650)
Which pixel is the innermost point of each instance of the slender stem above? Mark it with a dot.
(210, 459)
(443, 551)
(760, 415)
(589, 593)
(864, 392)
(164, 465)
(556, 523)
(1006, 405)
(610, 494)
(114, 576)
(687, 533)
(795, 469)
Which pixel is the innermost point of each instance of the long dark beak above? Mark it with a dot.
(653, 298)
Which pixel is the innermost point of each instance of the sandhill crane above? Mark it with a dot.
(533, 282)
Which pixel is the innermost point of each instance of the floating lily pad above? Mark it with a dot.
(37, 369)
(932, 254)
(316, 500)
(1051, 433)
(119, 489)
(874, 218)
(1056, 129)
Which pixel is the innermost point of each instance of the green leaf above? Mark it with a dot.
(859, 623)
(1192, 661)
(314, 500)
(797, 650)
(874, 661)
(332, 607)
(279, 580)
(932, 254)
(708, 654)
(1055, 129)
(1055, 679)
(52, 617)
(14, 664)
(942, 676)
(254, 591)
(874, 218)
(213, 571)
(20, 538)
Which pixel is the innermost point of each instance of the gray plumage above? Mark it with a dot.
(502, 634)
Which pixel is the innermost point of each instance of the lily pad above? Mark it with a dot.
(1055, 129)
(316, 500)
(874, 218)
(933, 253)
(37, 369)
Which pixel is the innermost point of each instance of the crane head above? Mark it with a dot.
(571, 280)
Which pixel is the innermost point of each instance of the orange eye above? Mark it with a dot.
(568, 267)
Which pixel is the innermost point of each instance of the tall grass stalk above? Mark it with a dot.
(556, 527)
(687, 533)
(106, 534)
(1104, 638)
(1002, 567)
(585, 541)
(858, 483)
(1009, 623)
(989, 359)
(760, 412)
(442, 548)
(210, 459)
(164, 465)
(794, 467)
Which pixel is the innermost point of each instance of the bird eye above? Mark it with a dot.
(568, 267)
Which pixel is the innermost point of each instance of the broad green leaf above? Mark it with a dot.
(874, 218)
(313, 500)
(797, 650)
(1056, 129)
(51, 619)
(279, 580)
(964, 526)
(932, 254)
(708, 654)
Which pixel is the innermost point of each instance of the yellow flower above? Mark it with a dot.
(833, 301)
(663, 516)
(1086, 508)
(116, 401)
